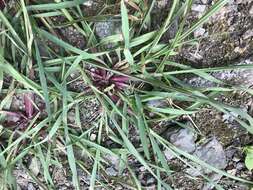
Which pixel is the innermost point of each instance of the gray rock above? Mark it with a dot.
(240, 166)
(150, 181)
(161, 4)
(168, 154)
(111, 171)
(199, 32)
(230, 152)
(93, 137)
(30, 187)
(199, 8)
(184, 139)
(35, 166)
(113, 160)
(205, 1)
(212, 153)
(238, 77)
(108, 28)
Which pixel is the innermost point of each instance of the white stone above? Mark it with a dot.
(251, 11)
(35, 166)
(199, 32)
(198, 8)
(93, 137)
(88, 3)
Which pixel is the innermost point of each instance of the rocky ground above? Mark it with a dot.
(227, 38)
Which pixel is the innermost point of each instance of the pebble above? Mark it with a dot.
(168, 154)
(161, 4)
(114, 160)
(93, 137)
(232, 172)
(184, 139)
(35, 166)
(248, 34)
(236, 159)
(111, 171)
(230, 152)
(150, 181)
(198, 8)
(119, 187)
(240, 166)
(105, 29)
(199, 32)
(30, 187)
(88, 3)
(71, 116)
(251, 11)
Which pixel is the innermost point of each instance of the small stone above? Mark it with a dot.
(232, 172)
(205, 2)
(88, 3)
(212, 153)
(114, 160)
(239, 166)
(111, 171)
(150, 181)
(184, 139)
(30, 187)
(199, 32)
(240, 50)
(161, 4)
(119, 187)
(35, 166)
(198, 8)
(18, 187)
(248, 34)
(230, 152)
(142, 169)
(93, 137)
(251, 11)
(168, 154)
(71, 117)
(236, 159)
(108, 28)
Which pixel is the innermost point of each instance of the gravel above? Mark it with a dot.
(212, 153)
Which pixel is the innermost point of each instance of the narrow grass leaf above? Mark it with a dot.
(43, 80)
(142, 127)
(55, 6)
(172, 111)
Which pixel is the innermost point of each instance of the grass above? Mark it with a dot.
(142, 57)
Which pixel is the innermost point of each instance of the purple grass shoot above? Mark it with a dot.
(2, 4)
(103, 80)
(22, 119)
(29, 109)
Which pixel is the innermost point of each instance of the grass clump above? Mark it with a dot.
(122, 72)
